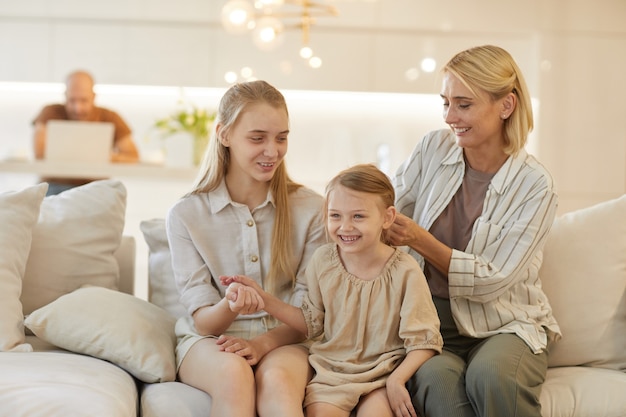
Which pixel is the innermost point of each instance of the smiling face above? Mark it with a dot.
(477, 120)
(355, 219)
(257, 144)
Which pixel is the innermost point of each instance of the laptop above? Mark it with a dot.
(79, 141)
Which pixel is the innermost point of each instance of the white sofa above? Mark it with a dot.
(101, 352)
(62, 261)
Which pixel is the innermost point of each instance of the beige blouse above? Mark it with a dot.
(367, 327)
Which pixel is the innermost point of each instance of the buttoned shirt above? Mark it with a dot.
(494, 283)
(211, 235)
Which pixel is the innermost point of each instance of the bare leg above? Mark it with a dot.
(281, 378)
(225, 376)
(374, 404)
(325, 410)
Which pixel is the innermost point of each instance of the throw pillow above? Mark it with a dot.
(584, 276)
(18, 214)
(120, 328)
(74, 241)
(162, 289)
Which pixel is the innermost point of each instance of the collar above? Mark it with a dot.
(220, 198)
(505, 174)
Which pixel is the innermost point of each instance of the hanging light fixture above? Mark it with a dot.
(268, 19)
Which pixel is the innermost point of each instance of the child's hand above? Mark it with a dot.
(399, 398)
(243, 300)
(241, 279)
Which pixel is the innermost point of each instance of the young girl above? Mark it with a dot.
(244, 216)
(368, 301)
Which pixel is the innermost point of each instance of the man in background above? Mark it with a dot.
(79, 105)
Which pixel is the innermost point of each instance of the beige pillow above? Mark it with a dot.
(584, 276)
(18, 215)
(73, 242)
(162, 289)
(114, 326)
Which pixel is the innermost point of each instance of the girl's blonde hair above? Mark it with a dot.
(493, 70)
(216, 163)
(366, 178)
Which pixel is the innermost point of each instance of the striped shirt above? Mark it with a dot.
(494, 284)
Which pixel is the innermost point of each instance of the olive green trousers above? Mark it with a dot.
(498, 376)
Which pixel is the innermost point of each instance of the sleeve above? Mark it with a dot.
(191, 274)
(419, 321)
(504, 246)
(50, 112)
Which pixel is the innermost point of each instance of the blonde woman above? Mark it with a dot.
(475, 210)
(245, 216)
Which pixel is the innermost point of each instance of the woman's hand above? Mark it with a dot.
(242, 347)
(399, 398)
(242, 299)
(404, 231)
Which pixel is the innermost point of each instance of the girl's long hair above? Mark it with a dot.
(216, 162)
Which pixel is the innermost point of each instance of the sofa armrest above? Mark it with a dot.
(125, 256)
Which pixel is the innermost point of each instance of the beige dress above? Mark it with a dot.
(366, 327)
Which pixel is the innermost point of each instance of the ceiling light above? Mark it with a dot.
(428, 64)
(268, 19)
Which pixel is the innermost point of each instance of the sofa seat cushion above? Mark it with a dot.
(169, 399)
(579, 391)
(62, 384)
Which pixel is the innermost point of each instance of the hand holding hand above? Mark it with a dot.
(242, 299)
(241, 279)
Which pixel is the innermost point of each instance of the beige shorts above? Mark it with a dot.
(246, 329)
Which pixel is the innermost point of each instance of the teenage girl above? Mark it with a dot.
(244, 216)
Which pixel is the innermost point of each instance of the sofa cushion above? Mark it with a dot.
(174, 399)
(74, 241)
(19, 211)
(162, 289)
(123, 329)
(584, 276)
(578, 391)
(62, 384)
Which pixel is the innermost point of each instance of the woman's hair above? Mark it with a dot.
(493, 70)
(216, 163)
(364, 178)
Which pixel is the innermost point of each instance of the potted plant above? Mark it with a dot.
(193, 120)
